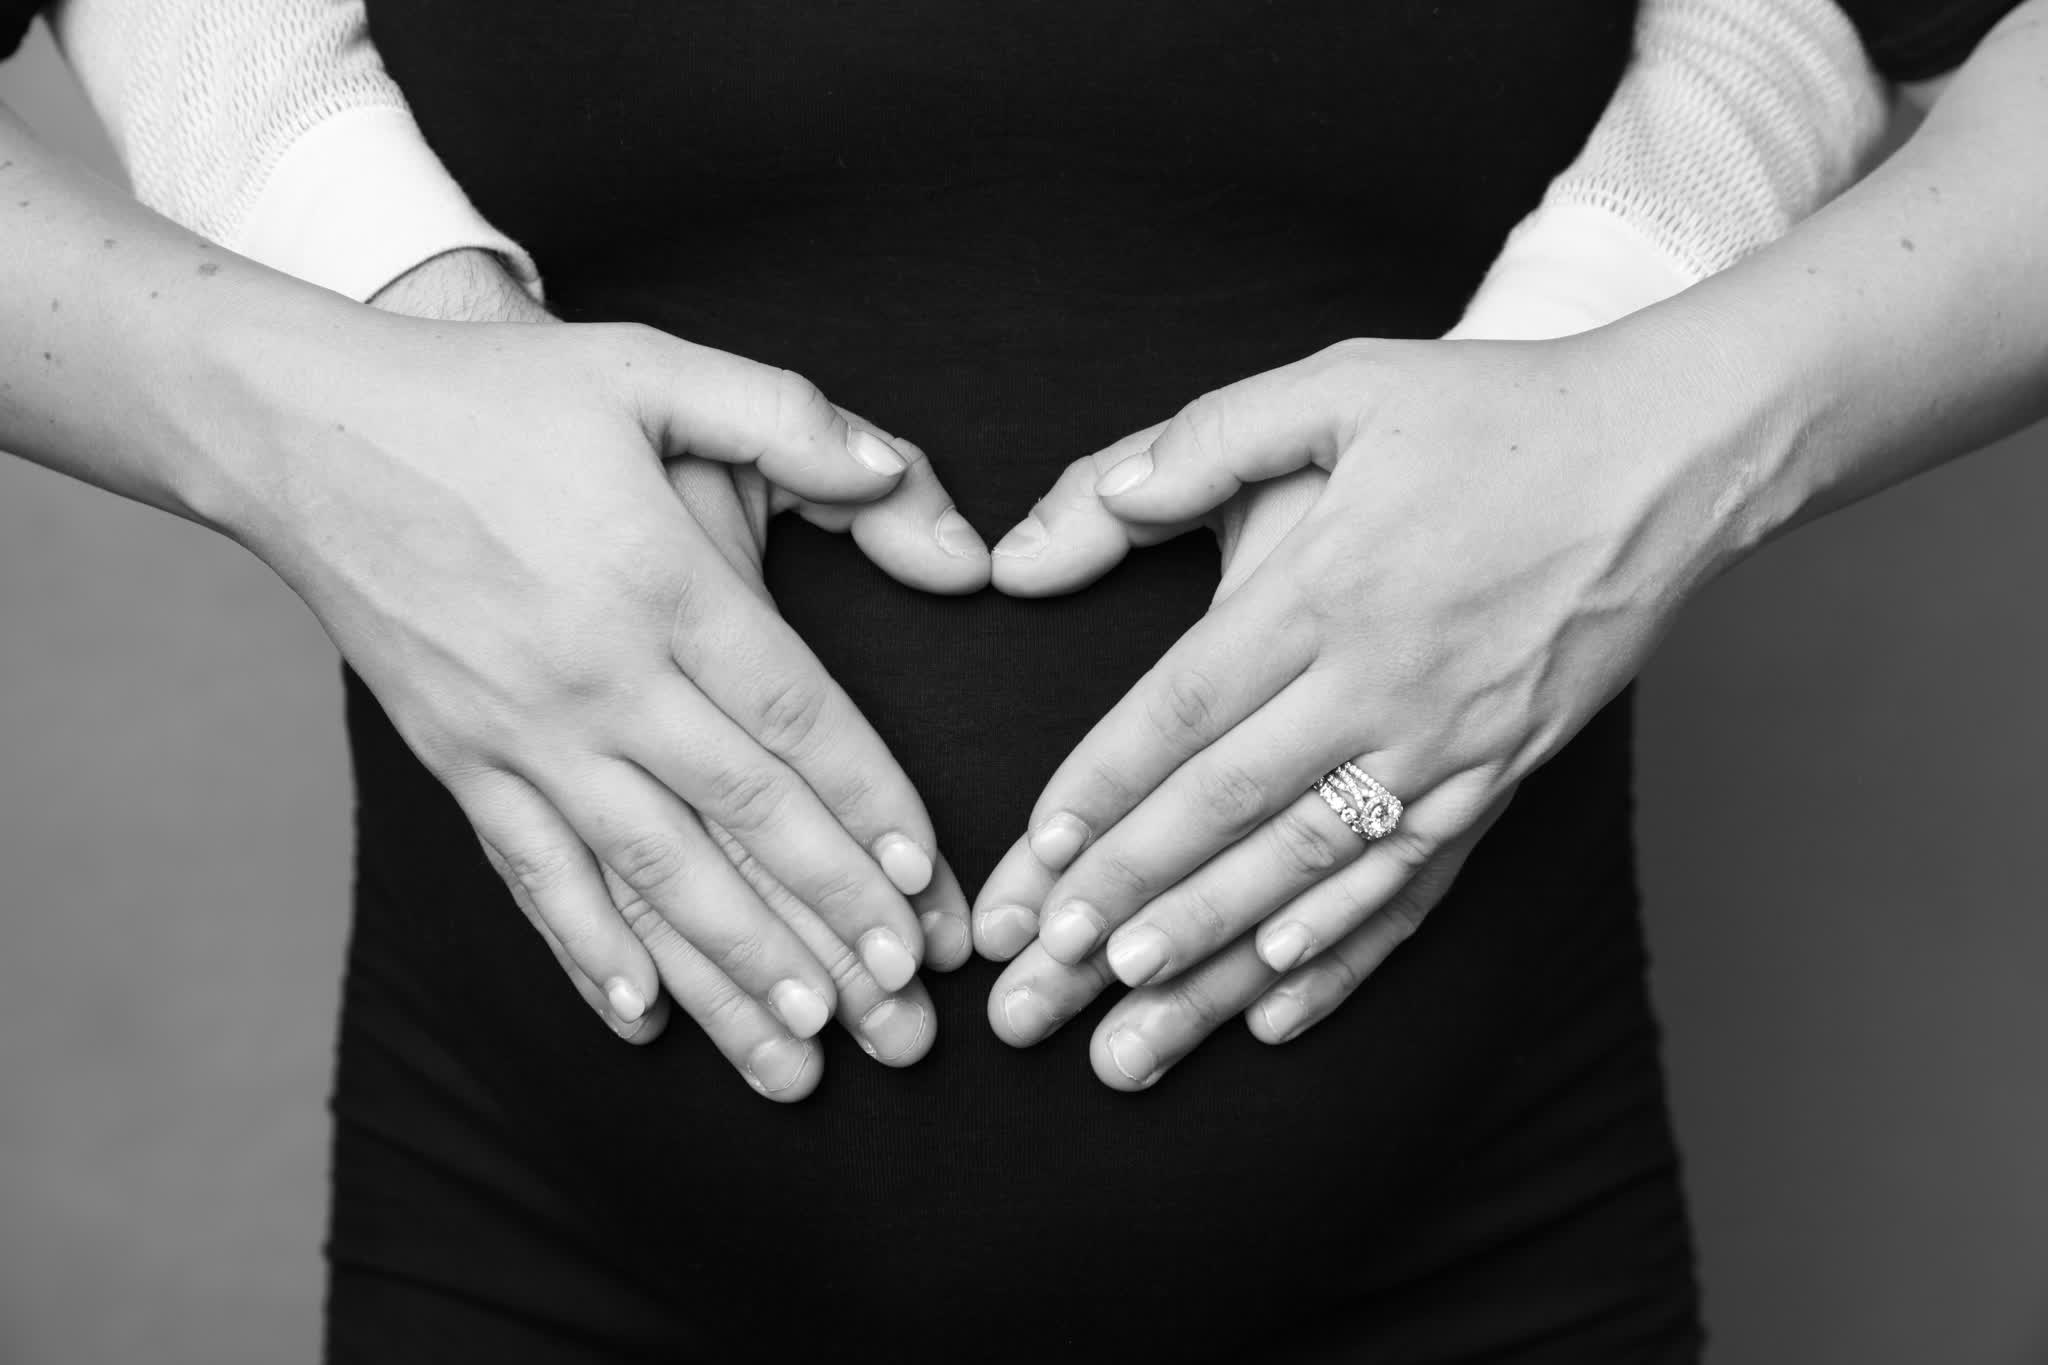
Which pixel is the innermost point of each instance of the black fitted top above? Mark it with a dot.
(1909, 39)
(1012, 231)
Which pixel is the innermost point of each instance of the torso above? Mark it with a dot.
(1012, 232)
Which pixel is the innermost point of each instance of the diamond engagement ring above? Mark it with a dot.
(1367, 809)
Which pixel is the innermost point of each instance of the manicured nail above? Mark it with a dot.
(625, 999)
(1282, 1011)
(889, 962)
(799, 1007)
(1125, 474)
(877, 454)
(1027, 1014)
(1286, 947)
(892, 1029)
(1132, 1056)
(945, 936)
(956, 537)
(1007, 928)
(1071, 932)
(1137, 955)
(906, 864)
(1025, 540)
(778, 1064)
(1055, 842)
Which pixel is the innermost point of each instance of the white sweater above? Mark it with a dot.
(271, 127)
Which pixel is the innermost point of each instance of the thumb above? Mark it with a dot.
(1258, 428)
(1072, 537)
(914, 534)
(693, 400)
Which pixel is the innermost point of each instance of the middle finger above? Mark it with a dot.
(1206, 805)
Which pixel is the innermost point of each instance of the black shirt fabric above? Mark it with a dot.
(1012, 231)
(1908, 39)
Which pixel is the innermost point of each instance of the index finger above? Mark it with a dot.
(694, 400)
(1228, 664)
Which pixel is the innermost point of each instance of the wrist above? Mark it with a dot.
(1716, 425)
(256, 395)
(465, 285)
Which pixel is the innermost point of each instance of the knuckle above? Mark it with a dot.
(1118, 875)
(1193, 1002)
(836, 895)
(1232, 796)
(1306, 849)
(789, 714)
(1409, 851)
(538, 871)
(1202, 422)
(724, 1008)
(794, 402)
(1199, 908)
(746, 798)
(1186, 707)
(649, 860)
(1337, 979)
(1108, 790)
(647, 923)
(742, 955)
(844, 967)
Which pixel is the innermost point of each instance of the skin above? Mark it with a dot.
(1495, 537)
(665, 776)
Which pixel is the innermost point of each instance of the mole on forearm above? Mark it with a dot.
(209, 269)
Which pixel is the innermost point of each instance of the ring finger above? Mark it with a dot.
(779, 1065)
(656, 846)
(1285, 857)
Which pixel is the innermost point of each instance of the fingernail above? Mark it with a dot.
(625, 999)
(907, 866)
(1282, 1011)
(1055, 842)
(956, 537)
(1125, 474)
(891, 1029)
(1007, 928)
(799, 1007)
(1137, 955)
(1029, 1017)
(945, 937)
(889, 962)
(1071, 932)
(1025, 539)
(1132, 1056)
(778, 1064)
(1286, 947)
(877, 454)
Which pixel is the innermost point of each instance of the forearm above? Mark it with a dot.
(1903, 325)
(120, 332)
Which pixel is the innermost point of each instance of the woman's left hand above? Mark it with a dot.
(1499, 544)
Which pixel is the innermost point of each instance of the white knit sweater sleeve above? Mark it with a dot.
(1734, 120)
(271, 127)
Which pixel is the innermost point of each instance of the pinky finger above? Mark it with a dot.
(1306, 996)
(643, 1030)
(553, 878)
(777, 1064)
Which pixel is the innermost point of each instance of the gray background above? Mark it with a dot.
(1844, 852)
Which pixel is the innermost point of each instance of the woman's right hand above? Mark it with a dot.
(479, 516)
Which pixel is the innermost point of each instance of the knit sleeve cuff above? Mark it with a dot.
(1569, 268)
(360, 199)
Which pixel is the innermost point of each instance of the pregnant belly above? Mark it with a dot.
(1498, 1078)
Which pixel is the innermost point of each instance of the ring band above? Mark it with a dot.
(1367, 809)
